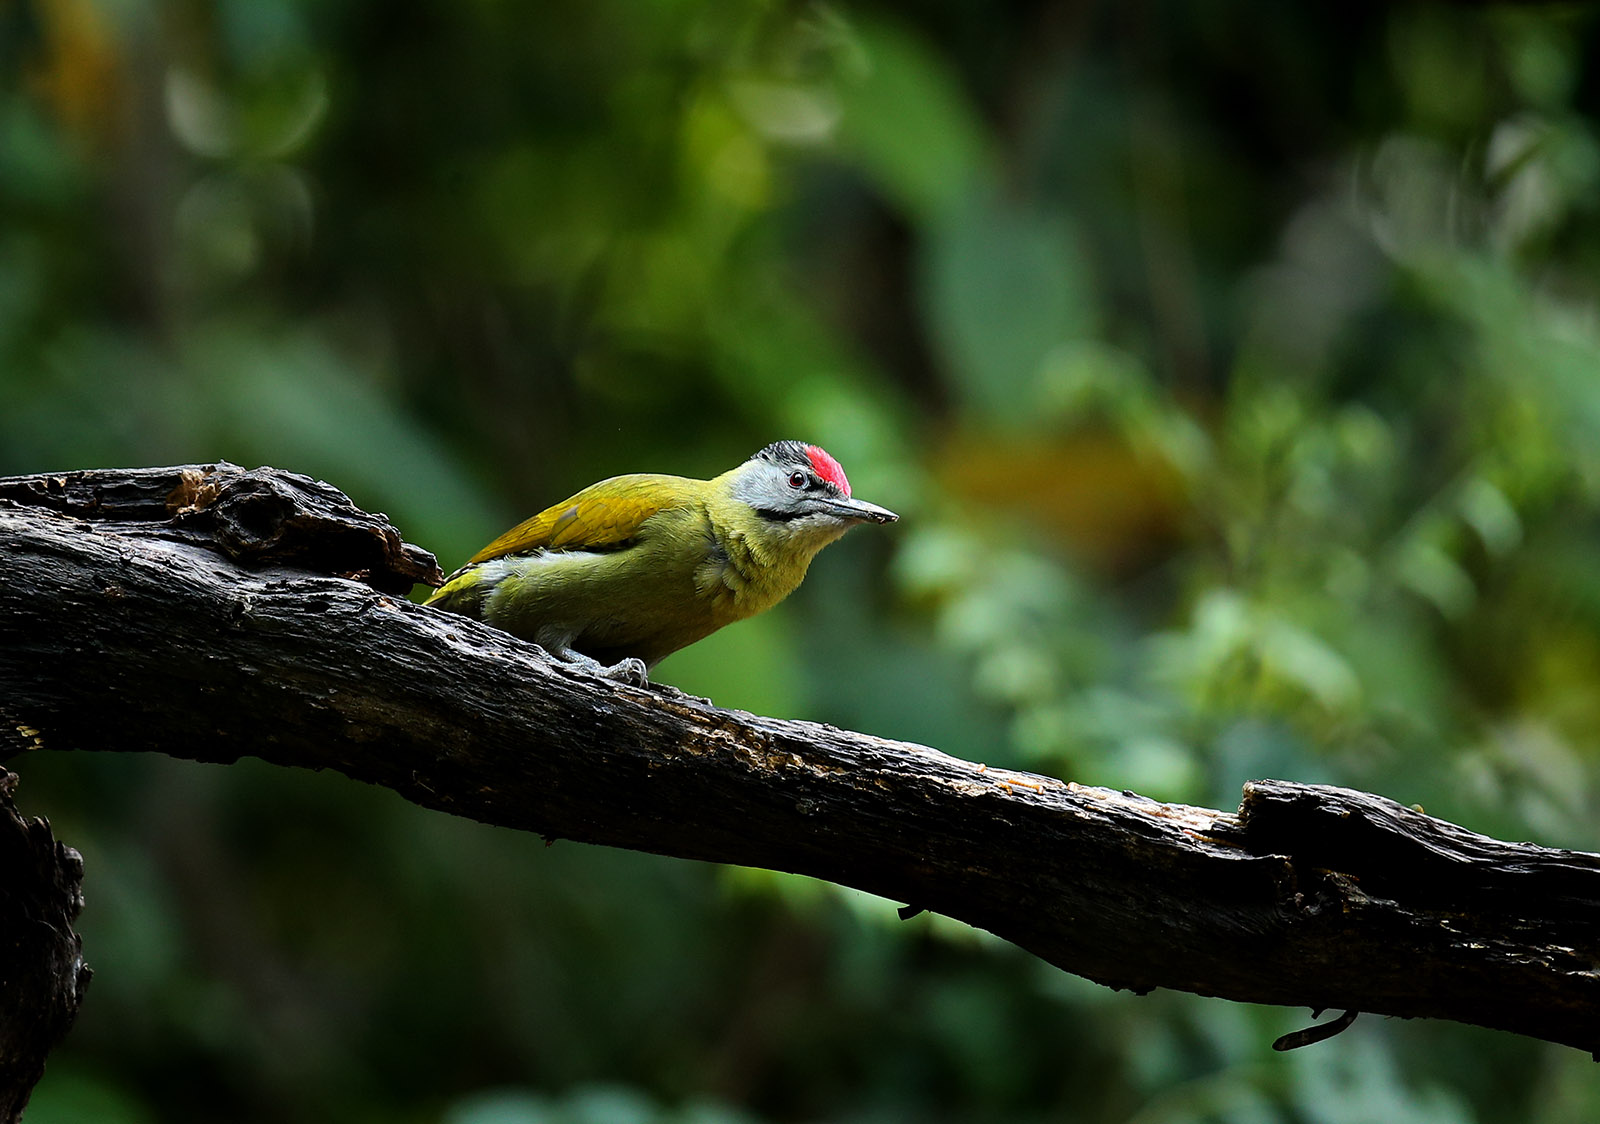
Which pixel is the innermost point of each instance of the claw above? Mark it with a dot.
(631, 670)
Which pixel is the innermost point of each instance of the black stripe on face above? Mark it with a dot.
(772, 515)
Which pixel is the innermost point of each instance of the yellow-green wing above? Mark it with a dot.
(603, 516)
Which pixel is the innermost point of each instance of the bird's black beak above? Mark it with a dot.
(861, 510)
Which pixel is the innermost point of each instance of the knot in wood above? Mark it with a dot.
(280, 518)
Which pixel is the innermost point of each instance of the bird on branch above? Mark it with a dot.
(631, 569)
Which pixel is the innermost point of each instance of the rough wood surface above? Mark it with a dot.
(42, 971)
(124, 626)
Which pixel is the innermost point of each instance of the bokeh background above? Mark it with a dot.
(1235, 368)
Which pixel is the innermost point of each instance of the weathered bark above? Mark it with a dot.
(42, 972)
(151, 611)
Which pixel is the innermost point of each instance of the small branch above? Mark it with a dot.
(1314, 1034)
(140, 619)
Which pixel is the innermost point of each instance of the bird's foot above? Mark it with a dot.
(630, 671)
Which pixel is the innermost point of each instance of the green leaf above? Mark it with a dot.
(909, 124)
(1002, 287)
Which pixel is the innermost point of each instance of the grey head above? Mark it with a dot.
(791, 482)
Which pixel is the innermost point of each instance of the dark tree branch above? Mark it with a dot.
(172, 611)
(42, 973)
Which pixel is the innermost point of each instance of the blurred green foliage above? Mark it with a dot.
(1236, 368)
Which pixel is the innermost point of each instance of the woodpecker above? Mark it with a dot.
(633, 568)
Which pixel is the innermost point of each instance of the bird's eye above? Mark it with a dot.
(797, 480)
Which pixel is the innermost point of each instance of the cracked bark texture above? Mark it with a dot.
(42, 970)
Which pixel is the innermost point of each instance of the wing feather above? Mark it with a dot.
(604, 516)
